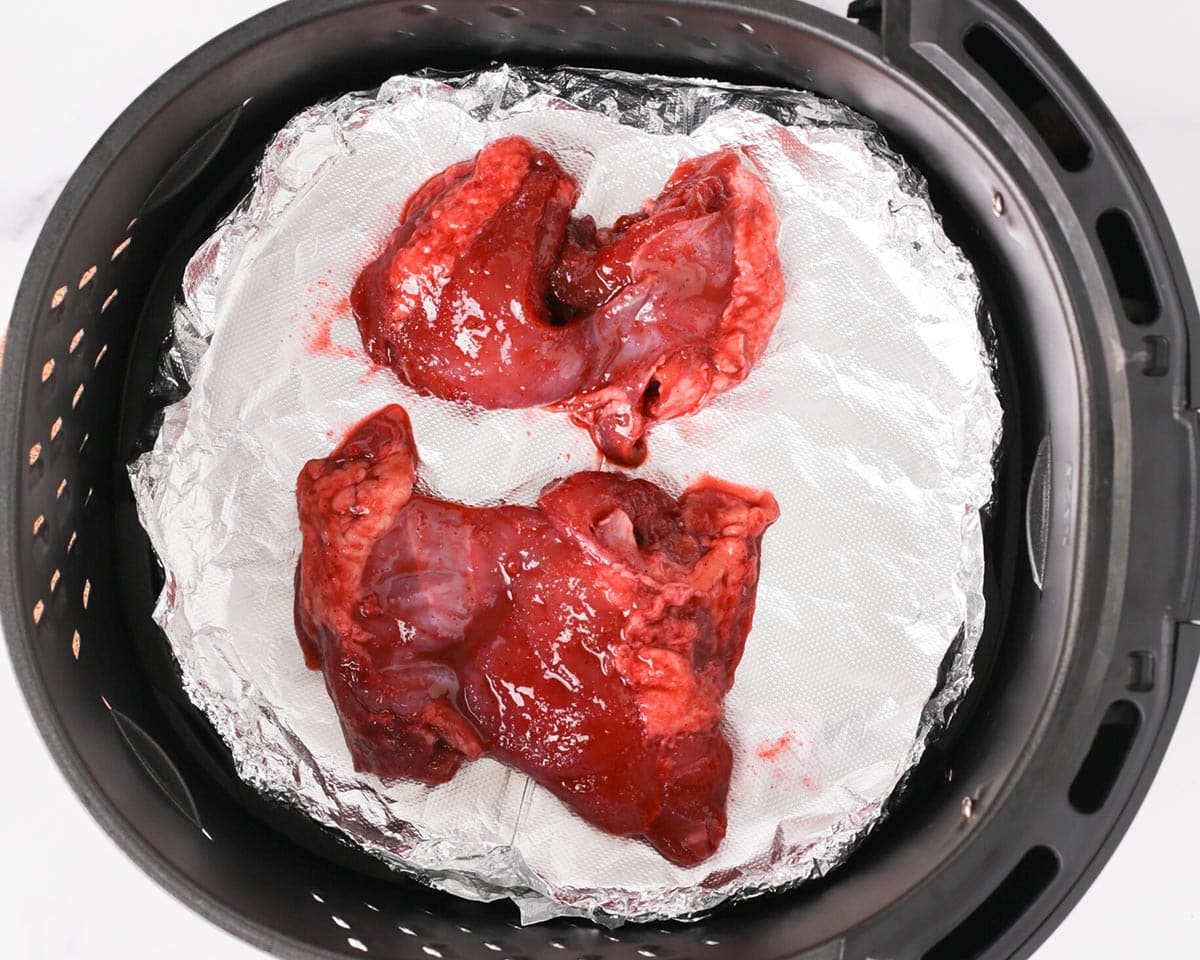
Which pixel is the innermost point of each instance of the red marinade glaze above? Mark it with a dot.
(457, 304)
(489, 292)
(680, 301)
(587, 641)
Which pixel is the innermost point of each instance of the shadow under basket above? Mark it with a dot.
(1090, 642)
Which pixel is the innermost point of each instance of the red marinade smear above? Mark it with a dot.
(489, 292)
(587, 641)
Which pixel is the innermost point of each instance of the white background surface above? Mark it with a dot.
(68, 67)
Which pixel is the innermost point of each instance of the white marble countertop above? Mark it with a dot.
(68, 67)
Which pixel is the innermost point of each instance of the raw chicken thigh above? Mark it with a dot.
(587, 641)
(458, 302)
(489, 292)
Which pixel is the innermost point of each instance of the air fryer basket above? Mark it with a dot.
(1092, 541)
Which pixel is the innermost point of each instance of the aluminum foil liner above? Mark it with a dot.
(872, 418)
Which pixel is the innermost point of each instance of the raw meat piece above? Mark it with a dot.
(457, 304)
(488, 292)
(588, 640)
(680, 301)
(393, 723)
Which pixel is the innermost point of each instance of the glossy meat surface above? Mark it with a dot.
(588, 640)
(489, 292)
(679, 301)
(457, 304)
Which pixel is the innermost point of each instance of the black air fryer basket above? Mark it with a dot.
(1090, 642)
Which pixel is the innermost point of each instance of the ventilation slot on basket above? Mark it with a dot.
(1127, 260)
(1006, 905)
(1107, 756)
(1032, 97)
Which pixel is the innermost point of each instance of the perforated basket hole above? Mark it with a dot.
(1106, 757)
(71, 541)
(38, 523)
(1017, 892)
(75, 644)
(39, 608)
(47, 370)
(77, 396)
(108, 300)
(58, 297)
(56, 428)
(100, 355)
(35, 453)
(87, 276)
(61, 489)
(76, 340)
(1010, 72)
(54, 578)
(87, 593)
(1130, 269)
(120, 248)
